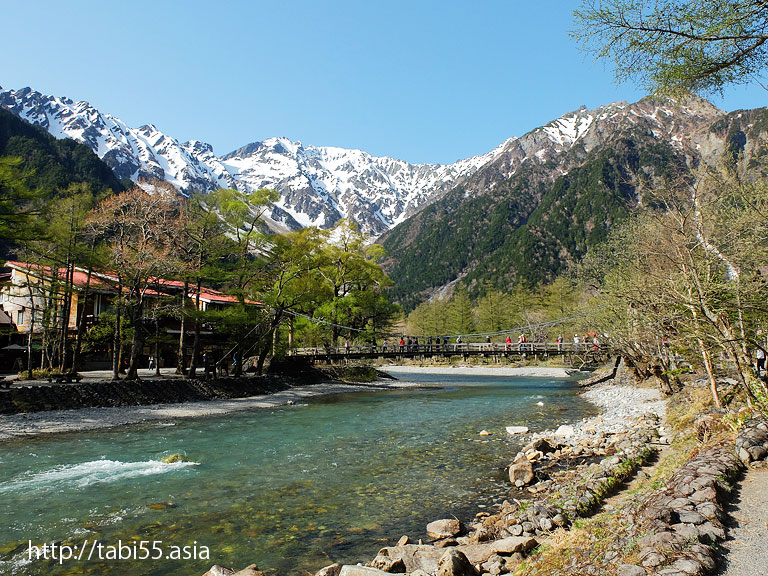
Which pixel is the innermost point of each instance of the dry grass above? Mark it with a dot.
(569, 553)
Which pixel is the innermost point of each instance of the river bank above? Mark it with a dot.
(201, 398)
(519, 372)
(284, 486)
(557, 477)
(627, 508)
(59, 421)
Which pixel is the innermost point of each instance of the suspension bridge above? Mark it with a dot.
(579, 353)
(587, 351)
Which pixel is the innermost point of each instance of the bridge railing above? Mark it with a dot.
(451, 347)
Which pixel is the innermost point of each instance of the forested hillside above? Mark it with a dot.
(50, 163)
(527, 228)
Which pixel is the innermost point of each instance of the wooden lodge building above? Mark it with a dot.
(32, 295)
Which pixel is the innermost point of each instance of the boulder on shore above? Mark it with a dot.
(542, 445)
(414, 556)
(350, 570)
(521, 473)
(446, 528)
(566, 431)
(251, 570)
(454, 563)
(217, 570)
(332, 570)
(517, 430)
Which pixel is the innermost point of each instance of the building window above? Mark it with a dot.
(20, 317)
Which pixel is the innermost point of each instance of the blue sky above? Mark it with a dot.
(429, 81)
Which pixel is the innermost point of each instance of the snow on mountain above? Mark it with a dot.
(680, 125)
(570, 127)
(318, 185)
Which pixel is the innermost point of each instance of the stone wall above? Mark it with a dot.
(36, 398)
(681, 525)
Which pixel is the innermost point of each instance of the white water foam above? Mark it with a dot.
(88, 474)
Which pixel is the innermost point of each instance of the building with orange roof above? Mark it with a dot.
(32, 291)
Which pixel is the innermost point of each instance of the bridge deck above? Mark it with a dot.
(446, 350)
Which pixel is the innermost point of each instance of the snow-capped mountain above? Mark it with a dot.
(318, 185)
(548, 197)
(565, 141)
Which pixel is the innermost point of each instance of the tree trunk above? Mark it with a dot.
(181, 360)
(664, 383)
(29, 341)
(275, 340)
(263, 353)
(65, 313)
(267, 346)
(31, 326)
(711, 374)
(157, 345)
(237, 362)
(137, 342)
(117, 343)
(742, 380)
(81, 326)
(192, 373)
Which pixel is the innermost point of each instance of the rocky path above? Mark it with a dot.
(748, 537)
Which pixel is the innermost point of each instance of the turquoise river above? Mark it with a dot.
(292, 488)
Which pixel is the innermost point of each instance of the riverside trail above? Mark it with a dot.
(746, 544)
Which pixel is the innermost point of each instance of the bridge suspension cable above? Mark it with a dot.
(522, 328)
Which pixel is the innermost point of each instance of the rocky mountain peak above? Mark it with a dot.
(319, 185)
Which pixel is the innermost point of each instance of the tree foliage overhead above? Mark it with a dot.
(675, 47)
(18, 202)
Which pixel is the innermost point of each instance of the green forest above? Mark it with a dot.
(62, 209)
(631, 245)
(661, 254)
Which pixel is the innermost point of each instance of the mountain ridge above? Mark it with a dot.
(318, 184)
(516, 222)
(525, 211)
